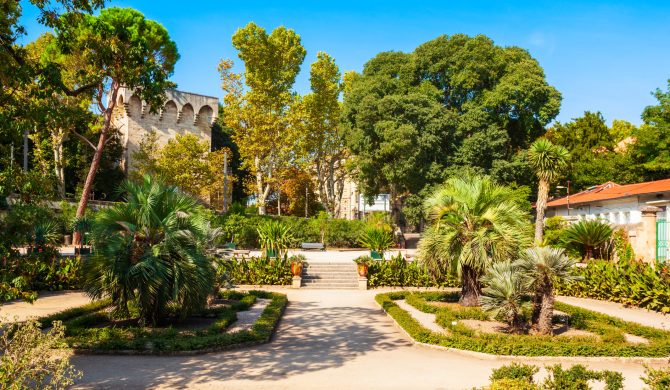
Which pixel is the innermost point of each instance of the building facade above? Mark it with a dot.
(642, 209)
(182, 113)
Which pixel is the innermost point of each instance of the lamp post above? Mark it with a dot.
(567, 198)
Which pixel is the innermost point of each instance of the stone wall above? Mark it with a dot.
(182, 113)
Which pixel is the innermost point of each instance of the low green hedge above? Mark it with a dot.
(461, 337)
(337, 233)
(255, 271)
(398, 272)
(88, 329)
(628, 282)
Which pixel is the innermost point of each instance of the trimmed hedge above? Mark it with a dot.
(338, 233)
(398, 272)
(88, 329)
(628, 282)
(462, 337)
(255, 271)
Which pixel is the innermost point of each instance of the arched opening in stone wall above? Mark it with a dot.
(187, 114)
(205, 115)
(134, 107)
(170, 112)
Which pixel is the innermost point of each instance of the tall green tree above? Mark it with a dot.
(414, 119)
(119, 47)
(474, 223)
(652, 147)
(549, 161)
(259, 114)
(322, 140)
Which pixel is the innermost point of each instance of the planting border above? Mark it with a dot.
(422, 336)
(261, 331)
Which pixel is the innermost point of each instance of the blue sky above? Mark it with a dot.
(606, 56)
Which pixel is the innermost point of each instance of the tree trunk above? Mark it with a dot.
(395, 209)
(262, 190)
(470, 290)
(544, 325)
(58, 164)
(537, 307)
(97, 156)
(540, 206)
(589, 253)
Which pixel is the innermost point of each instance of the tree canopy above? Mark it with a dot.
(413, 119)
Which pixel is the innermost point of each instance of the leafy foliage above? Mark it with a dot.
(150, 251)
(376, 239)
(504, 293)
(589, 234)
(93, 329)
(31, 358)
(462, 337)
(274, 238)
(520, 376)
(629, 282)
(398, 272)
(657, 379)
(475, 222)
(260, 271)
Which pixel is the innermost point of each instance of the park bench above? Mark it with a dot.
(312, 246)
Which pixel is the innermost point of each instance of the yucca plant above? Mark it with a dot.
(274, 238)
(42, 234)
(376, 239)
(475, 222)
(543, 267)
(150, 251)
(504, 293)
(589, 234)
(548, 161)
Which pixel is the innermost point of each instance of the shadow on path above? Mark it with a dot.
(310, 337)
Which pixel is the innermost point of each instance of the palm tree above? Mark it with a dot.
(150, 251)
(542, 267)
(589, 234)
(475, 222)
(549, 161)
(503, 296)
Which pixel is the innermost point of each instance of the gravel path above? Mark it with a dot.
(427, 320)
(246, 319)
(48, 303)
(632, 314)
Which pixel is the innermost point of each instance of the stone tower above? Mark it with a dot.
(182, 113)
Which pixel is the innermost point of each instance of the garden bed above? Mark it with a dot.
(611, 337)
(92, 329)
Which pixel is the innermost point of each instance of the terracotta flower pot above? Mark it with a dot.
(296, 268)
(362, 270)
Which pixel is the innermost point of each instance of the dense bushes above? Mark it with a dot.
(399, 272)
(22, 276)
(520, 377)
(628, 282)
(241, 229)
(608, 338)
(256, 271)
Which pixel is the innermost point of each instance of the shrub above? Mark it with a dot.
(22, 276)
(256, 271)
(274, 238)
(578, 376)
(518, 371)
(628, 282)
(657, 379)
(376, 239)
(590, 235)
(399, 272)
(31, 358)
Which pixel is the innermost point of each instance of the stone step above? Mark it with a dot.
(312, 272)
(329, 285)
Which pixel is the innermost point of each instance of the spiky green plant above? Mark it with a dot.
(589, 234)
(543, 267)
(274, 238)
(43, 233)
(548, 161)
(149, 250)
(376, 239)
(503, 294)
(474, 223)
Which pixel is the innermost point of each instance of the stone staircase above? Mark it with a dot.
(330, 276)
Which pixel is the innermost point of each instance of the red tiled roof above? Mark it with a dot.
(611, 190)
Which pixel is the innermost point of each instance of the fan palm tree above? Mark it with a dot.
(542, 267)
(474, 222)
(503, 294)
(150, 251)
(549, 161)
(589, 234)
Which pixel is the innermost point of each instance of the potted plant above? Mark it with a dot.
(362, 265)
(377, 240)
(297, 264)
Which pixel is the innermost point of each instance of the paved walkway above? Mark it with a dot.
(48, 303)
(632, 314)
(328, 339)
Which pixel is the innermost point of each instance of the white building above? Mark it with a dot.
(642, 209)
